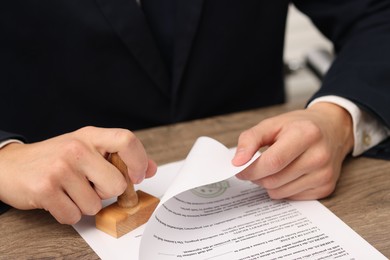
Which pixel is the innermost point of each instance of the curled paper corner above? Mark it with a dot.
(208, 162)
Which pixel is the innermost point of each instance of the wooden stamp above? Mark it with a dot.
(131, 210)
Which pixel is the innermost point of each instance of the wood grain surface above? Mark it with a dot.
(362, 197)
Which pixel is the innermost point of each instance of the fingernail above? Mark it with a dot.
(140, 179)
(240, 151)
(239, 154)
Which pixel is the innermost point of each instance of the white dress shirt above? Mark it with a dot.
(4, 143)
(368, 131)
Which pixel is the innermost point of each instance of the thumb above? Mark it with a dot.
(251, 140)
(248, 145)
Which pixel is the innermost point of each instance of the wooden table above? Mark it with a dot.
(362, 198)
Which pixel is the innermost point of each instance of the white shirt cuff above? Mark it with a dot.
(6, 142)
(368, 131)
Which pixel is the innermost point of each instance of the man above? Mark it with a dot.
(119, 64)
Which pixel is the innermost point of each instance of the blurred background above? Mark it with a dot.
(303, 42)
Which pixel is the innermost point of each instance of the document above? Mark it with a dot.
(206, 213)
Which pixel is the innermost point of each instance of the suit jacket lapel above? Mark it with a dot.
(128, 21)
(187, 21)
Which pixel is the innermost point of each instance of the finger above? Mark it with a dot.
(108, 181)
(62, 208)
(251, 140)
(82, 194)
(309, 161)
(136, 160)
(323, 182)
(287, 148)
(151, 170)
(279, 179)
(124, 142)
(314, 194)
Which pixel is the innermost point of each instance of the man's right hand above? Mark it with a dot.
(69, 175)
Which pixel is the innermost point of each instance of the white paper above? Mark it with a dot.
(127, 246)
(206, 213)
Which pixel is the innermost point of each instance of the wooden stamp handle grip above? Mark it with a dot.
(129, 198)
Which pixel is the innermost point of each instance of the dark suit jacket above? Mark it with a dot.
(65, 64)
